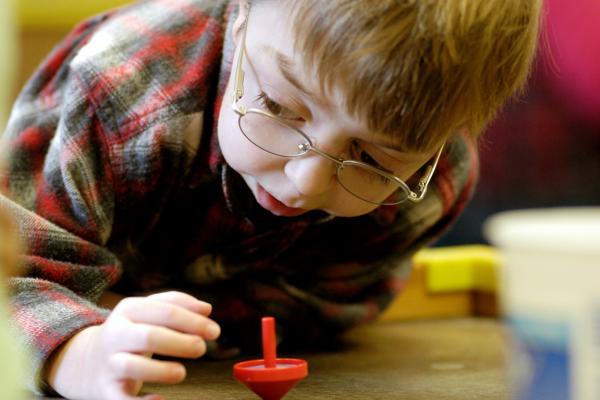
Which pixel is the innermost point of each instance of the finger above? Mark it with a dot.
(160, 340)
(184, 300)
(154, 312)
(136, 367)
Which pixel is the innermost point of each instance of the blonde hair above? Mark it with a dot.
(419, 69)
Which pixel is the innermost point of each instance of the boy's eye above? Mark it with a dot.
(275, 108)
(360, 154)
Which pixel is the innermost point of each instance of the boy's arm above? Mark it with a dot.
(62, 212)
(55, 297)
(67, 175)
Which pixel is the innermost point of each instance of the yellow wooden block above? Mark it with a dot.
(448, 282)
(415, 302)
(459, 268)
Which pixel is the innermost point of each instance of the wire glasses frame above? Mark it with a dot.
(306, 146)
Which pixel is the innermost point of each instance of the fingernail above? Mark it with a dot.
(213, 331)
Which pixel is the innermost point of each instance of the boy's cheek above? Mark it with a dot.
(245, 157)
(240, 153)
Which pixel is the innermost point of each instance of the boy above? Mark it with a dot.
(278, 158)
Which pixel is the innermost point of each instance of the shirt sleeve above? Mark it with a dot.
(60, 192)
(101, 138)
(345, 272)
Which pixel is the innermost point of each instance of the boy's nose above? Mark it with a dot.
(311, 174)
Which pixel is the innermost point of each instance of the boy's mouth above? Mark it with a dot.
(268, 202)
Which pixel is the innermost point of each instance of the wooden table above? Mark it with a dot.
(450, 359)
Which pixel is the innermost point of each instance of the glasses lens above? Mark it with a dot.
(371, 186)
(273, 135)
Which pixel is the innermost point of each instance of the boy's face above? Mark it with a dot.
(293, 186)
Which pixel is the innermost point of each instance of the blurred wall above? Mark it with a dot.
(7, 67)
(12, 364)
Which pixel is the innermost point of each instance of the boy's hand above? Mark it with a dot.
(113, 360)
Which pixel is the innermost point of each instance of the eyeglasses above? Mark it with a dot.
(278, 136)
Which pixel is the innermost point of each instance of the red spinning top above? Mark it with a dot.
(270, 378)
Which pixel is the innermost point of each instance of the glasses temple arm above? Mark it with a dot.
(238, 90)
(426, 178)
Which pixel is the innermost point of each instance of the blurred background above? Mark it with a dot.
(13, 365)
(7, 51)
(542, 150)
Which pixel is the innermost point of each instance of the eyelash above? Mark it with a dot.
(362, 155)
(276, 108)
(281, 111)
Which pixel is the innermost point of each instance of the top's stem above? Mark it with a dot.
(269, 342)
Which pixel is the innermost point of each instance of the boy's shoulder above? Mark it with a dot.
(153, 56)
(160, 26)
(153, 38)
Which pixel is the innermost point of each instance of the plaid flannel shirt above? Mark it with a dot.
(116, 180)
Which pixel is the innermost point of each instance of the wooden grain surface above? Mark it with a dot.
(454, 359)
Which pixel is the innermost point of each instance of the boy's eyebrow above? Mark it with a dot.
(285, 65)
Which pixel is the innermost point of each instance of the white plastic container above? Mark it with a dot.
(550, 298)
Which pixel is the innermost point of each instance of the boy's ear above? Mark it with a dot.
(244, 7)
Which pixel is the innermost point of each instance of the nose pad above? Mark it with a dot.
(311, 174)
